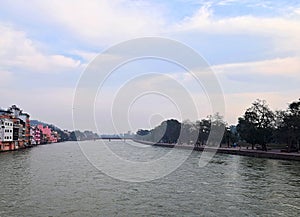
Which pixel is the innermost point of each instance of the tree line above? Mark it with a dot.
(258, 127)
(65, 135)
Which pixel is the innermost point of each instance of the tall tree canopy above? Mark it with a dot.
(288, 130)
(257, 124)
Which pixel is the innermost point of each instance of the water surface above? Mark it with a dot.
(57, 180)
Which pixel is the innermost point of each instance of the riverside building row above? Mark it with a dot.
(16, 132)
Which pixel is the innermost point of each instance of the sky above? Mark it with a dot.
(253, 47)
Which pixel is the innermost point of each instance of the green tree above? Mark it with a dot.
(257, 124)
(167, 132)
(172, 132)
(288, 125)
(204, 130)
(230, 136)
(218, 127)
(189, 133)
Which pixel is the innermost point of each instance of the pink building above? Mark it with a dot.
(47, 134)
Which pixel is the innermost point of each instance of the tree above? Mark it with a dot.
(188, 133)
(167, 132)
(230, 136)
(218, 127)
(172, 131)
(204, 130)
(288, 125)
(257, 124)
(142, 134)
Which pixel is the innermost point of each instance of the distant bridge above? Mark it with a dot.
(113, 138)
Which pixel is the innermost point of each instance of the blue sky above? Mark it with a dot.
(253, 47)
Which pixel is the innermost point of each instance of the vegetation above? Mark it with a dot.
(187, 132)
(65, 135)
(81, 136)
(288, 126)
(258, 126)
(167, 132)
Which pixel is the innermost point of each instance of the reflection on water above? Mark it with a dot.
(57, 180)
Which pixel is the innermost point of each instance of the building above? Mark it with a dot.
(6, 131)
(48, 136)
(15, 129)
(35, 135)
(16, 132)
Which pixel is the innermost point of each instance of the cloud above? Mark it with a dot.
(19, 53)
(85, 55)
(297, 11)
(288, 66)
(55, 37)
(283, 31)
(204, 20)
(101, 22)
(260, 77)
(227, 2)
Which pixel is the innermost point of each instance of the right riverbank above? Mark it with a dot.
(271, 154)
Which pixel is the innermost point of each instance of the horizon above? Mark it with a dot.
(134, 132)
(253, 47)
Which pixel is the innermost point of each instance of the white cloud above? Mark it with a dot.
(283, 31)
(227, 2)
(204, 20)
(19, 53)
(288, 66)
(85, 55)
(102, 22)
(297, 11)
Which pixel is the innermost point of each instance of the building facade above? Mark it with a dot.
(35, 135)
(16, 132)
(47, 135)
(6, 131)
(14, 129)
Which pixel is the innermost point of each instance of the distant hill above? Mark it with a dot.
(36, 122)
(66, 135)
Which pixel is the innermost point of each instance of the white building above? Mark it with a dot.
(6, 130)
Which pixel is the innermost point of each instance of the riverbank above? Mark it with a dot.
(271, 154)
(12, 147)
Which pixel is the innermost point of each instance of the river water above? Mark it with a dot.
(58, 180)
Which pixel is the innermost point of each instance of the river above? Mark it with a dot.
(58, 180)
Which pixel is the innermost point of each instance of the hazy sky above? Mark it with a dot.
(253, 47)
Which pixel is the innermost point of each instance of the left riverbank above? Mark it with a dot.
(17, 131)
